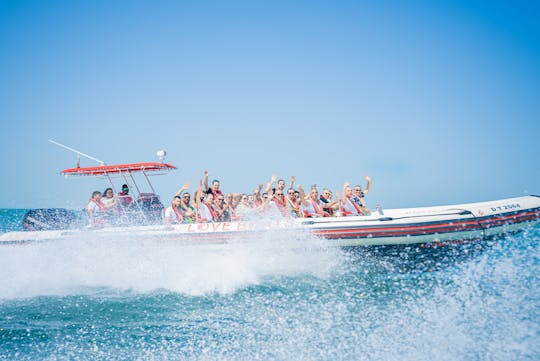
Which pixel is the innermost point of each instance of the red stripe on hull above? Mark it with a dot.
(427, 229)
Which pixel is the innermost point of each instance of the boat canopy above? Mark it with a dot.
(104, 170)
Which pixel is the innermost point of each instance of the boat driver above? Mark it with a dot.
(125, 199)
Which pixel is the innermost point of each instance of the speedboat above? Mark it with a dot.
(426, 226)
(431, 226)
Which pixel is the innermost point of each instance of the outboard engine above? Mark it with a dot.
(46, 219)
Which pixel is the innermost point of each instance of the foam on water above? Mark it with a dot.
(275, 297)
(64, 267)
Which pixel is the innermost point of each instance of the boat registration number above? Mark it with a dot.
(506, 207)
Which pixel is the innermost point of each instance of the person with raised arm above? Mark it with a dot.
(222, 209)
(359, 194)
(267, 207)
(184, 187)
(214, 189)
(270, 190)
(280, 202)
(328, 205)
(302, 197)
(255, 199)
(270, 204)
(313, 206)
(293, 179)
(281, 184)
(261, 201)
(347, 206)
(187, 211)
(205, 211)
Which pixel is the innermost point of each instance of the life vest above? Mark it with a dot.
(212, 212)
(101, 206)
(294, 207)
(98, 216)
(177, 213)
(360, 205)
(216, 193)
(330, 211)
(281, 206)
(125, 198)
(317, 207)
(350, 208)
(234, 217)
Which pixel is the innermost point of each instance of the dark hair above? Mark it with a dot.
(177, 197)
(106, 190)
(94, 193)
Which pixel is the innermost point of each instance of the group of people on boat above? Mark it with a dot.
(209, 204)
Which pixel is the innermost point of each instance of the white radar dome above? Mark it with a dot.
(161, 154)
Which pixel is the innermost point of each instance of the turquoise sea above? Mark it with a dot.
(268, 299)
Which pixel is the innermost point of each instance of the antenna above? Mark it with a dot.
(77, 152)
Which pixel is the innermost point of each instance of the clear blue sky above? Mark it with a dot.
(438, 101)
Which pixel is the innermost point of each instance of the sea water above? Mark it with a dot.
(272, 297)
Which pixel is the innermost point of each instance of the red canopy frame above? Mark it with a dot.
(124, 171)
(104, 170)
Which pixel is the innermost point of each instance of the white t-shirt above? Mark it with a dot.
(107, 201)
(205, 213)
(170, 216)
